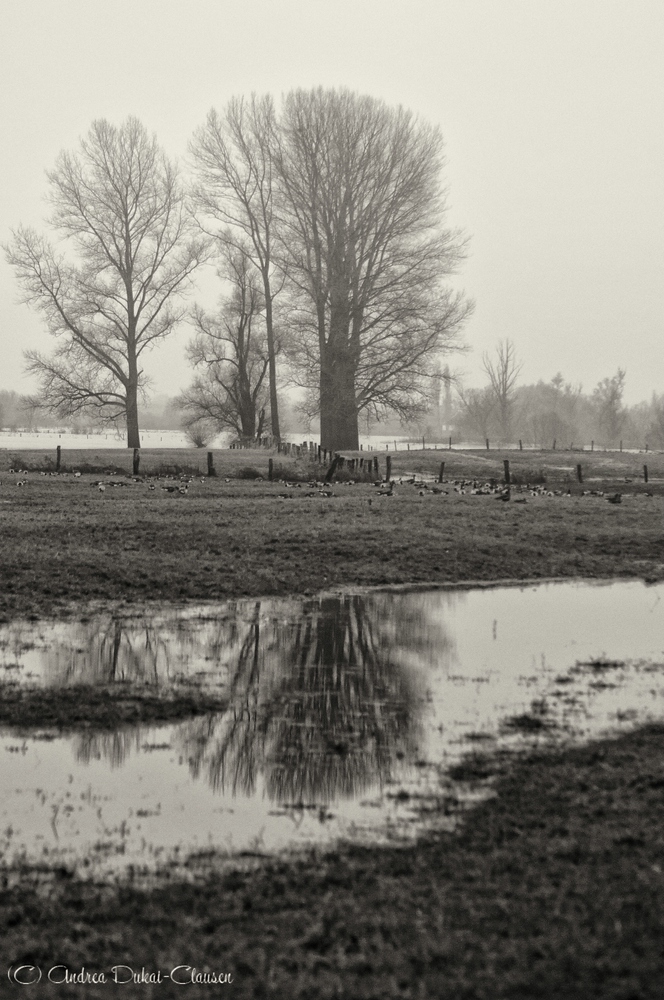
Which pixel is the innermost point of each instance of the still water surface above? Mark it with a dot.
(344, 715)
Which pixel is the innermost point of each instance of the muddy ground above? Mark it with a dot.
(553, 888)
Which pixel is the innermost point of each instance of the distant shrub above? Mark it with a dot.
(200, 432)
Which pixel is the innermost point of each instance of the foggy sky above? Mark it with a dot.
(551, 111)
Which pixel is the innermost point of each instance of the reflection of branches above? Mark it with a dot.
(323, 693)
(320, 704)
(243, 699)
(109, 650)
(114, 747)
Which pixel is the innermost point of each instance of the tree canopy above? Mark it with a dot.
(367, 253)
(112, 287)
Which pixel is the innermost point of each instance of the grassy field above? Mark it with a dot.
(558, 465)
(64, 541)
(552, 889)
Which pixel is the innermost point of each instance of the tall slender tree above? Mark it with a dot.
(234, 196)
(112, 287)
(503, 372)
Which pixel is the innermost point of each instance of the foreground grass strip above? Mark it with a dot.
(554, 889)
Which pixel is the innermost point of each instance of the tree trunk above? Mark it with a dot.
(274, 404)
(133, 437)
(338, 408)
(248, 420)
(261, 422)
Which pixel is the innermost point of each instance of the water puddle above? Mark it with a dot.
(344, 716)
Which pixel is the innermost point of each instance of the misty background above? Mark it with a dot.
(551, 114)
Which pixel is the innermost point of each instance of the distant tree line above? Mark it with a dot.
(545, 413)
(20, 412)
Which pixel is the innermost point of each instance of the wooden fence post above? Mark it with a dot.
(520, 445)
(58, 456)
(487, 443)
(554, 444)
(645, 473)
(137, 460)
(388, 468)
(270, 469)
(450, 445)
(442, 472)
(506, 466)
(211, 470)
(375, 463)
(579, 474)
(592, 445)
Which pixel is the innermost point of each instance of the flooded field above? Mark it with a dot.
(346, 716)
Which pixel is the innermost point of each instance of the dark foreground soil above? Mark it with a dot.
(552, 889)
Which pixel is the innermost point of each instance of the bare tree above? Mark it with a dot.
(611, 415)
(503, 372)
(199, 431)
(119, 208)
(233, 157)
(362, 240)
(230, 354)
(477, 410)
(550, 411)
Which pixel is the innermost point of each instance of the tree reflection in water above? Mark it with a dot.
(158, 650)
(114, 747)
(323, 706)
(324, 694)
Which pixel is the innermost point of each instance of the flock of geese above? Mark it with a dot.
(179, 485)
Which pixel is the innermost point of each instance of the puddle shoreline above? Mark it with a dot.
(130, 608)
(356, 716)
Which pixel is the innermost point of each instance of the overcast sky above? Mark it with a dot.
(552, 113)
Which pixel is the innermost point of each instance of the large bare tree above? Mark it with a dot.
(111, 289)
(234, 196)
(230, 355)
(362, 237)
